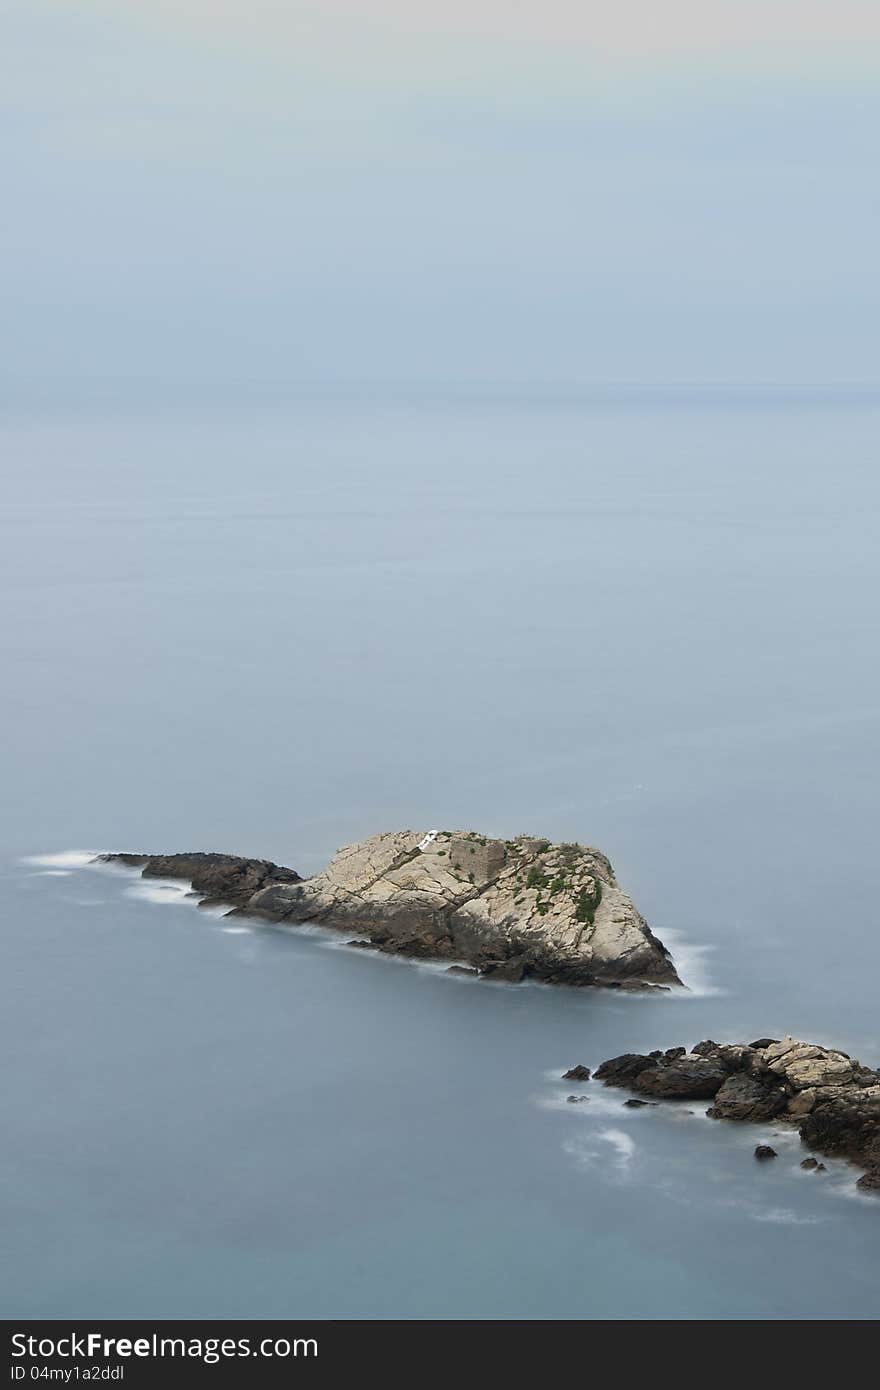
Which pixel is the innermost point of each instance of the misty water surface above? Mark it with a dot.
(276, 629)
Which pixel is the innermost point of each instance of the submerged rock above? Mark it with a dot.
(870, 1181)
(511, 909)
(834, 1100)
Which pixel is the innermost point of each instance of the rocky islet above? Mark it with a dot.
(507, 909)
(832, 1100)
(511, 909)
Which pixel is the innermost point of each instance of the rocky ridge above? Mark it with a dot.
(833, 1100)
(508, 908)
(220, 880)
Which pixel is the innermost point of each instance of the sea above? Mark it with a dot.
(643, 621)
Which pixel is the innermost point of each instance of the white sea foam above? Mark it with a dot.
(334, 940)
(52, 873)
(690, 960)
(562, 1103)
(683, 1110)
(781, 1216)
(622, 1144)
(66, 860)
(604, 1101)
(160, 890)
(583, 1149)
(597, 1102)
(237, 931)
(608, 1101)
(777, 1138)
(840, 1180)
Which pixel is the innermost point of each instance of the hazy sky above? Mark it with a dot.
(473, 190)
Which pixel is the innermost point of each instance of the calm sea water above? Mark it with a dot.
(273, 630)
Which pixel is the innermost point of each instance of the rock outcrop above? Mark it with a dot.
(509, 908)
(219, 879)
(833, 1100)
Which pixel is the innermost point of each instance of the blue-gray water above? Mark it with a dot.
(273, 630)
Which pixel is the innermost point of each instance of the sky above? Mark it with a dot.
(208, 193)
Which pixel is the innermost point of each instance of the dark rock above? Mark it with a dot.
(557, 972)
(734, 1057)
(578, 1073)
(128, 861)
(511, 971)
(417, 944)
(863, 1077)
(639, 1104)
(820, 1168)
(575, 1100)
(765, 1151)
(683, 1078)
(680, 1076)
(834, 1100)
(620, 1071)
(222, 879)
(675, 1052)
(870, 1181)
(745, 1097)
(462, 970)
(361, 945)
(846, 1123)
